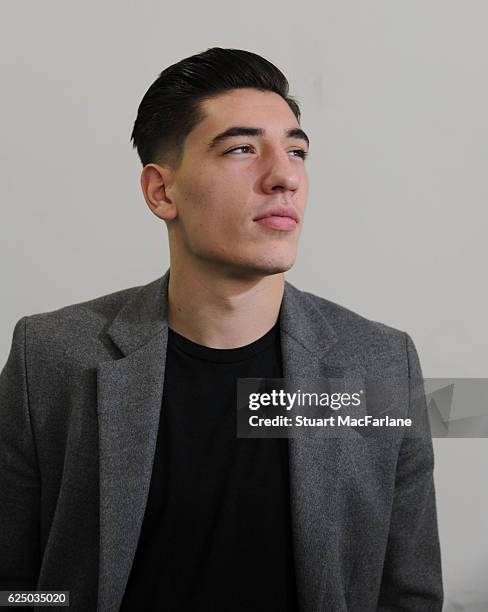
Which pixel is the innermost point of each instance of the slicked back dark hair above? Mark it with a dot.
(171, 107)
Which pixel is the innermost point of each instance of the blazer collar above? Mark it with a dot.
(145, 315)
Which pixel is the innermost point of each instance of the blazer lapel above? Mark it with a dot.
(306, 338)
(130, 392)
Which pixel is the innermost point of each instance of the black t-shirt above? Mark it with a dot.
(216, 533)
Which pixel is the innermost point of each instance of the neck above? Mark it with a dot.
(222, 310)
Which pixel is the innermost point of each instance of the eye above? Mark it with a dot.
(237, 149)
(301, 153)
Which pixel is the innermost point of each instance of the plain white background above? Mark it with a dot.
(394, 98)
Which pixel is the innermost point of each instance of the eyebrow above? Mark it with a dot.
(251, 131)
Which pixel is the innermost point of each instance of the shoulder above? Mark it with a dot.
(74, 330)
(344, 318)
(86, 314)
(361, 339)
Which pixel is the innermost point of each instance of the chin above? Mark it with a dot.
(251, 267)
(271, 266)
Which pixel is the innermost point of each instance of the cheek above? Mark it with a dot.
(304, 196)
(213, 203)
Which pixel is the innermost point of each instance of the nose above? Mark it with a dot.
(281, 174)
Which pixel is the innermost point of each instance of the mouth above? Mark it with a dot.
(278, 222)
(279, 218)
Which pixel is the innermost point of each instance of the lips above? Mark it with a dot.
(279, 211)
(278, 223)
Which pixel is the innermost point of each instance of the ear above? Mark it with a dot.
(155, 180)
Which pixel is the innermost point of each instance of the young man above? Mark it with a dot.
(122, 478)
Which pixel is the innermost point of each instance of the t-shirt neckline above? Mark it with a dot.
(224, 355)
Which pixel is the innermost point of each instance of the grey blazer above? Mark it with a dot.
(80, 399)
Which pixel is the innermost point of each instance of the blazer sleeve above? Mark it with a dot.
(412, 576)
(19, 474)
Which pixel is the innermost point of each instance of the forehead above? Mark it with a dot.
(252, 107)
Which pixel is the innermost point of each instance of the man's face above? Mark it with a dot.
(223, 186)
